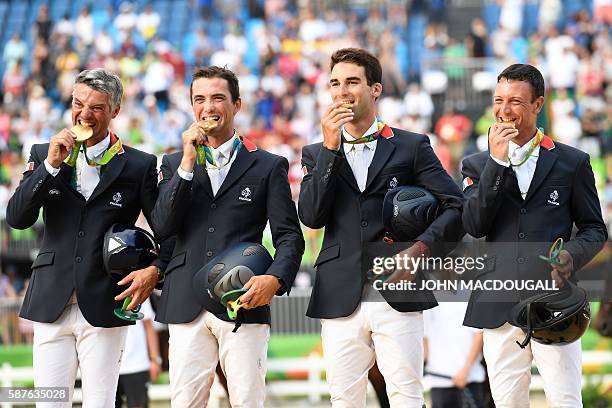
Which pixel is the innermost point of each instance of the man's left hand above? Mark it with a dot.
(563, 269)
(261, 290)
(143, 282)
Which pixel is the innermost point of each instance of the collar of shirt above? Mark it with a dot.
(99, 148)
(370, 145)
(517, 153)
(222, 151)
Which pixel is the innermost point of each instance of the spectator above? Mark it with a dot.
(84, 28)
(14, 50)
(43, 25)
(148, 22)
(7, 317)
(476, 41)
(126, 21)
(14, 85)
(64, 27)
(455, 372)
(549, 14)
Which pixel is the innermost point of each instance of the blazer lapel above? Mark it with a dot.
(546, 161)
(65, 176)
(244, 160)
(201, 176)
(346, 172)
(513, 192)
(384, 149)
(109, 174)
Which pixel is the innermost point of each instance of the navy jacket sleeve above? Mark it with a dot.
(286, 231)
(446, 230)
(148, 197)
(318, 185)
(484, 197)
(586, 213)
(173, 200)
(25, 204)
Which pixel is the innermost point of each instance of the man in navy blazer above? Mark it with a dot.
(522, 195)
(213, 196)
(83, 190)
(346, 178)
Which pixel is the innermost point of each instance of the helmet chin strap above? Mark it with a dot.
(528, 336)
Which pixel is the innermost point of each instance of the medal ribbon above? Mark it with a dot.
(116, 147)
(380, 125)
(204, 152)
(534, 144)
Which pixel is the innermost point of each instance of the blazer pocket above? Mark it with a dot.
(175, 262)
(44, 259)
(327, 254)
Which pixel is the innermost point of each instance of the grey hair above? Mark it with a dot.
(102, 81)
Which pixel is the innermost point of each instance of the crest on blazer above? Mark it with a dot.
(245, 194)
(554, 196)
(117, 200)
(393, 183)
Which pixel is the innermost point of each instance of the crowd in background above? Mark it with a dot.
(280, 50)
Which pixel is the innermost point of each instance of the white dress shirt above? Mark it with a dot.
(216, 175)
(359, 156)
(87, 177)
(524, 173)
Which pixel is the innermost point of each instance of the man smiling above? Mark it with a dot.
(219, 191)
(83, 187)
(528, 189)
(346, 178)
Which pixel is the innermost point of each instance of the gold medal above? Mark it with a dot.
(81, 132)
(207, 124)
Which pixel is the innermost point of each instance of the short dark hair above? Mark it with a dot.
(362, 58)
(527, 73)
(213, 71)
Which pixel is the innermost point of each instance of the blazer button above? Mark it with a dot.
(521, 260)
(364, 223)
(213, 206)
(209, 253)
(81, 234)
(523, 211)
(495, 188)
(78, 259)
(211, 229)
(521, 235)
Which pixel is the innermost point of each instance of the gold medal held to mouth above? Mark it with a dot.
(347, 105)
(207, 124)
(81, 132)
